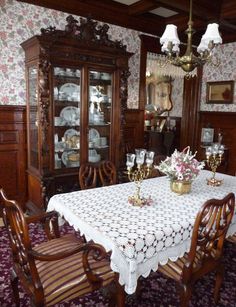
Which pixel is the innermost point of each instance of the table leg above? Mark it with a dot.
(120, 295)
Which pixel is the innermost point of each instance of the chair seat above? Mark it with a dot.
(65, 279)
(174, 269)
(232, 238)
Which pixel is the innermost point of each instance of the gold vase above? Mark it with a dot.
(180, 187)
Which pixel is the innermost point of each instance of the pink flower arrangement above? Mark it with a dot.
(181, 166)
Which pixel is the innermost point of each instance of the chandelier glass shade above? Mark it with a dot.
(170, 45)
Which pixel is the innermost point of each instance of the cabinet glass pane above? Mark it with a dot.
(33, 117)
(100, 104)
(67, 100)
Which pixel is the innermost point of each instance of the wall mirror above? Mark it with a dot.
(158, 93)
(155, 91)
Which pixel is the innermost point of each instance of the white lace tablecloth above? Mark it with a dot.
(140, 238)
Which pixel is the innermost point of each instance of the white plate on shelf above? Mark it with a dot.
(65, 160)
(70, 114)
(71, 90)
(93, 134)
(70, 132)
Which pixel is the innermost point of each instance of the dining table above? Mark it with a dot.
(140, 238)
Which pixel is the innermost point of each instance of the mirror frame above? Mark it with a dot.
(163, 88)
(148, 44)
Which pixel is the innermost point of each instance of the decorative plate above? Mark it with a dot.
(65, 159)
(93, 134)
(70, 132)
(71, 90)
(70, 114)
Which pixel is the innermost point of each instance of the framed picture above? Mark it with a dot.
(220, 92)
(207, 135)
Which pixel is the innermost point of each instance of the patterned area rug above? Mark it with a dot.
(154, 290)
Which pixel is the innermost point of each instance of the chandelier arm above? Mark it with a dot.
(215, 63)
(189, 61)
(165, 62)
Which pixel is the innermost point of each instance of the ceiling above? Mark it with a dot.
(151, 16)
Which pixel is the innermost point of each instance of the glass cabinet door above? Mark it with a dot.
(100, 105)
(33, 134)
(67, 101)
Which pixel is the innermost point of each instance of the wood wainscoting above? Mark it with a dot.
(226, 123)
(134, 128)
(13, 152)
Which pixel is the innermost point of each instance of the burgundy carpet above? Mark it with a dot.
(154, 290)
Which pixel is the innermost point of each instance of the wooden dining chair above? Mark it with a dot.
(232, 238)
(58, 270)
(88, 176)
(107, 173)
(205, 255)
(156, 161)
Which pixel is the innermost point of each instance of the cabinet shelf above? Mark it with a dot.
(66, 79)
(99, 125)
(99, 82)
(65, 103)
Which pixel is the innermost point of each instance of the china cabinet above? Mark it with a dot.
(76, 98)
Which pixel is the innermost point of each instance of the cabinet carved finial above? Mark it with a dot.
(87, 31)
(48, 30)
(72, 25)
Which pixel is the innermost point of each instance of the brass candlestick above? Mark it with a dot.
(139, 174)
(214, 155)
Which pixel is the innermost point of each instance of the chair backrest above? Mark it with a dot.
(210, 228)
(88, 176)
(169, 141)
(107, 173)
(156, 161)
(20, 242)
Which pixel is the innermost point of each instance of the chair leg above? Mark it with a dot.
(185, 294)
(120, 295)
(14, 285)
(219, 279)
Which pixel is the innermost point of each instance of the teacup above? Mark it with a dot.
(106, 76)
(103, 140)
(96, 75)
(90, 144)
(57, 70)
(69, 72)
(92, 152)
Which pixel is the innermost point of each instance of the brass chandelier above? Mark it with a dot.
(170, 46)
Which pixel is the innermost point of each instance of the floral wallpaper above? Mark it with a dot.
(177, 97)
(226, 71)
(19, 21)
